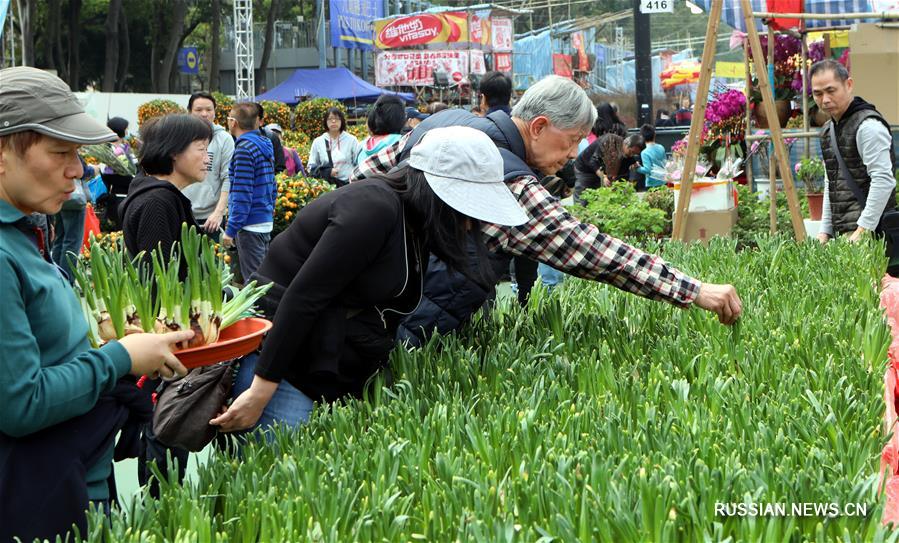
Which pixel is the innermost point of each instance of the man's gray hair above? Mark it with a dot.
(561, 100)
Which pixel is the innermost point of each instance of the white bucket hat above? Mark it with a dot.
(465, 170)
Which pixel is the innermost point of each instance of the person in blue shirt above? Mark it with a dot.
(651, 156)
(251, 201)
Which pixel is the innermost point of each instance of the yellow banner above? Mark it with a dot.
(730, 70)
(838, 38)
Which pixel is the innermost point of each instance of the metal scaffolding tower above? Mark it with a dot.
(244, 62)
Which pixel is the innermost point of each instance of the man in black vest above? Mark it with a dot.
(540, 137)
(865, 144)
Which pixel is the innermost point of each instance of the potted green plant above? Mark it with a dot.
(811, 172)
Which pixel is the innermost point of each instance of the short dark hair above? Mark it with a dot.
(200, 94)
(635, 140)
(648, 132)
(164, 137)
(118, 125)
(20, 142)
(388, 116)
(260, 110)
(496, 88)
(245, 114)
(334, 111)
(829, 65)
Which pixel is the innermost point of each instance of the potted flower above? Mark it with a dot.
(811, 172)
(723, 131)
(786, 60)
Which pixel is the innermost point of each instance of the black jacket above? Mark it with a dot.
(280, 161)
(152, 214)
(450, 298)
(343, 272)
(846, 209)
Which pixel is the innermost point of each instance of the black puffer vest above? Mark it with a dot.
(845, 207)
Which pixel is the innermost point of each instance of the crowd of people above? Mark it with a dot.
(432, 209)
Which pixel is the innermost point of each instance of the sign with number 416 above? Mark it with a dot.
(656, 6)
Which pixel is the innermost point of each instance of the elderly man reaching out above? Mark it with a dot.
(541, 136)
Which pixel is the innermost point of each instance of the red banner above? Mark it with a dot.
(577, 41)
(424, 29)
(502, 62)
(479, 27)
(562, 65)
(785, 6)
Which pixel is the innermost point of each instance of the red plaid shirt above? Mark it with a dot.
(553, 236)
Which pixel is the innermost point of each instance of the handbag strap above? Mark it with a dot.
(328, 150)
(853, 186)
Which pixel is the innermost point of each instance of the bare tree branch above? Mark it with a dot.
(215, 47)
(274, 10)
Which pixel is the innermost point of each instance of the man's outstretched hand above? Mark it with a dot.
(721, 300)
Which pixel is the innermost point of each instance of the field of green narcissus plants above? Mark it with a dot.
(592, 416)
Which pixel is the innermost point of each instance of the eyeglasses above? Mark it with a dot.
(232, 119)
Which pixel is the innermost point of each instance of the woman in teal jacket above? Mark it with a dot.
(50, 378)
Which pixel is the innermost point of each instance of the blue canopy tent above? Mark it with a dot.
(732, 12)
(336, 83)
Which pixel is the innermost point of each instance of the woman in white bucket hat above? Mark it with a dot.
(351, 265)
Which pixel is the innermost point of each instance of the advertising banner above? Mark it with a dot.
(501, 30)
(562, 65)
(502, 62)
(577, 41)
(351, 22)
(422, 29)
(479, 27)
(416, 68)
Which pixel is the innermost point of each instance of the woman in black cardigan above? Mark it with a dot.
(352, 263)
(172, 156)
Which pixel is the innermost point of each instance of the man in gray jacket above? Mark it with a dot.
(865, 145)
(209, 199)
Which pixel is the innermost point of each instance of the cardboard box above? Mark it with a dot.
(874, 56)
(708, 195)
(704, 225)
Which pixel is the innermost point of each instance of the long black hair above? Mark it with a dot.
(443, 230)
(607, 121)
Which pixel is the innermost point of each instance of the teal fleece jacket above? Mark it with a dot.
(48, 372)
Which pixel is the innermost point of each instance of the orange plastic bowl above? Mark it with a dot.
(242, 337)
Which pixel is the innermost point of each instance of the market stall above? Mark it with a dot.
(446, 49)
